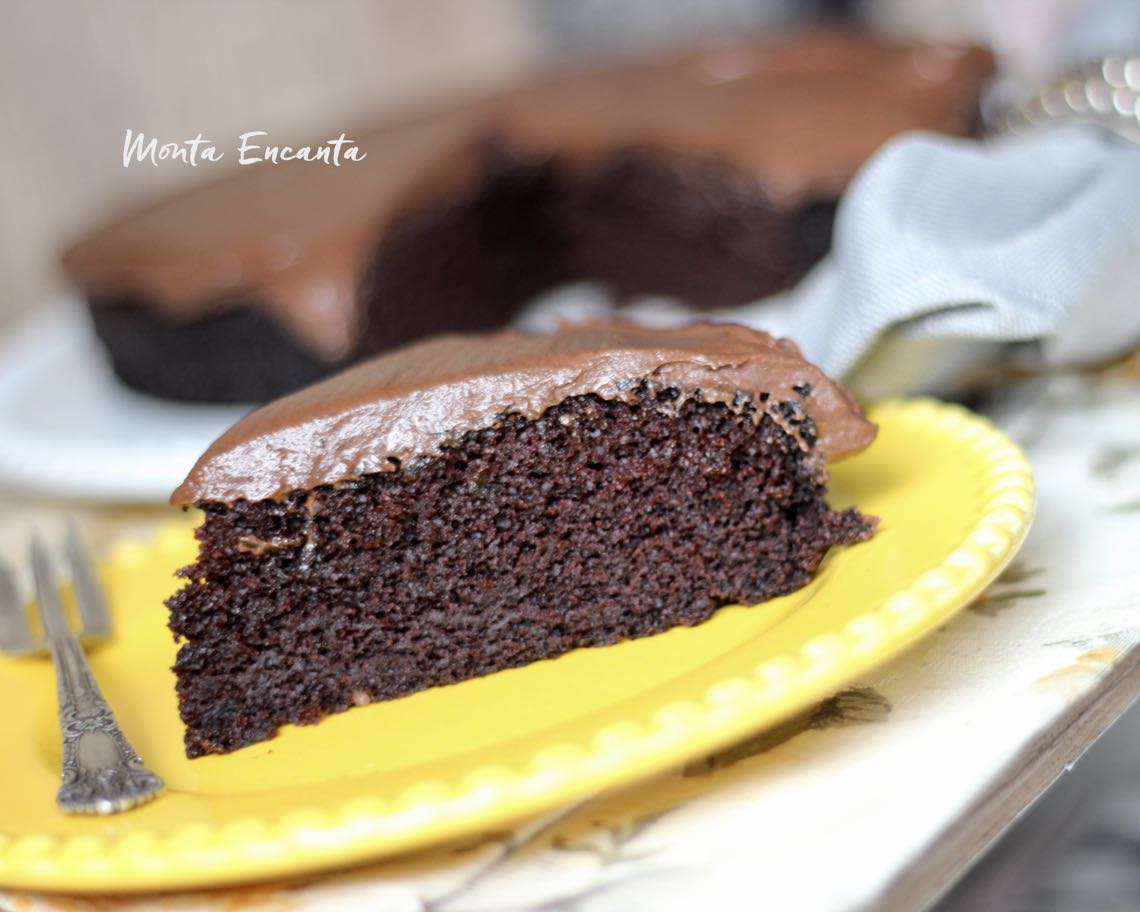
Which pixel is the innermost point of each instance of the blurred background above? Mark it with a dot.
(74, 76)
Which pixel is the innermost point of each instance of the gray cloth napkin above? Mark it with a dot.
(971, 244)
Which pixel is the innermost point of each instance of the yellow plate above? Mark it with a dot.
(955, 497)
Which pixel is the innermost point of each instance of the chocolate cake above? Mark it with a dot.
(469, 504)
(710, 175)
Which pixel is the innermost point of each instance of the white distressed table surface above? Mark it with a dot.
(877, 798)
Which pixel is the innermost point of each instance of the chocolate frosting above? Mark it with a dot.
(797, 115)
(385, 412)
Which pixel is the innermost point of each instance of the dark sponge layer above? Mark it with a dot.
(239, 355)
(696, 230)
(598, 522)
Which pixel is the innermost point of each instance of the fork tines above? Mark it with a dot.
(16, 634)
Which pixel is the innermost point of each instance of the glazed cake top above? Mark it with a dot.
(796, 115)
(387, 411)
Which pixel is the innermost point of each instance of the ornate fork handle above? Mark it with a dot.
(102, 774)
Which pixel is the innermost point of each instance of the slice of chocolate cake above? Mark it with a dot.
(709, 175)
(468, 504)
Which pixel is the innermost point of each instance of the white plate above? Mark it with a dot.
(69, 428)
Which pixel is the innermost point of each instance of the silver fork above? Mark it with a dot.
(101, 774)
